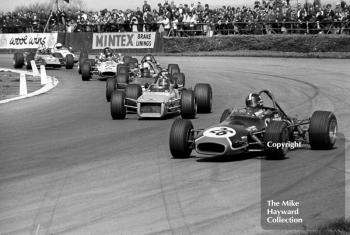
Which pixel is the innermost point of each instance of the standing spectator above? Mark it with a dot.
(146, 7)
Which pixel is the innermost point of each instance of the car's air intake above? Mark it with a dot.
(211, 147)
(150, 108)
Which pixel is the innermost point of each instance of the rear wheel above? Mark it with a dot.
(122, 80)
(188, 104)
(204, 97)
(173, 68)
(181, 138)
(86, 71)
(276, 134)
(134, 63)
(18, 60)
(123, 69)
(118, 109)
(110, 86)
(69, 61)
(323, 130)
(225, 114)
(133, 91)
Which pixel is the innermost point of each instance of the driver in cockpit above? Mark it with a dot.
(254, 105)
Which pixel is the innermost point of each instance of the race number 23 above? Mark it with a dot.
(220, 132)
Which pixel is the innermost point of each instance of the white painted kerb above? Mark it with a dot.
(51, 84)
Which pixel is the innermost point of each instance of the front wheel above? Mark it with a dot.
(85, 71)
(181, 138)
(276, 137)
(188, 104)
(323, 130)
(69, 61)
(118, 109)
(110, 87)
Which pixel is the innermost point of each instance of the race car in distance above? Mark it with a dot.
(251, 129)
(60, 51)
(50, 57)
(160, 99)
(104, 66)
(131, 72)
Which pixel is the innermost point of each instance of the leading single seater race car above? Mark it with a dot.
(160, 99)
(241, 131)
(65, 52)
(49, 57)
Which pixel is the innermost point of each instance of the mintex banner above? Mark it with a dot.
(27, 40)
(123, 40)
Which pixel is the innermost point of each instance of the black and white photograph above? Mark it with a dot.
(179, 117)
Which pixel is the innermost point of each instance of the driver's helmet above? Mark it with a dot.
(41, 49)
(147, 58)
(107, 52)
(146, 65)
(163, 73)
(58, 45)
(163, 83)
(254, 100)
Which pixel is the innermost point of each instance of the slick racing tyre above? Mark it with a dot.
(181, 138)
(83, 55)
(110, 87)
(134, 63)
(18, 60)
(225, 114)
(276, 133)
(132, 91)
(179, 79)
(204, 97)
(69, 61)
(118, 109)
(188, 104)
(122, 80)
(323, 130)
(86, 71)
(126, 59)
(123, 69)
(173, 68)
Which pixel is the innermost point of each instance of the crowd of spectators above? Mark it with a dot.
(265, 17)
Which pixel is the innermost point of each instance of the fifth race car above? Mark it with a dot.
(255, 128)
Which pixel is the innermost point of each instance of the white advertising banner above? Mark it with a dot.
(27, 40)
(123, 40)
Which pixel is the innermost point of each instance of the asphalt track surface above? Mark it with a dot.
(67, 168)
